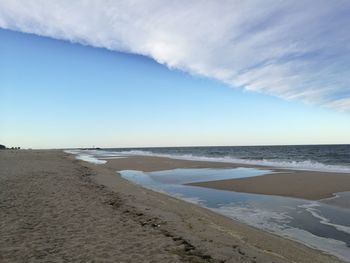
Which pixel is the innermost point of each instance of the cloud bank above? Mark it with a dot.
(290, 49)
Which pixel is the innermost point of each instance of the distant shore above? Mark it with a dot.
(57, 208)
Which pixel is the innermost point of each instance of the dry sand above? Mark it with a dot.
(57, 209)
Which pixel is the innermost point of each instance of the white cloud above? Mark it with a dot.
(291, 49)
(341, 104)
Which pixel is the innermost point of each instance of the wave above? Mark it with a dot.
(90, 159)
(87, 157)
(285, 164)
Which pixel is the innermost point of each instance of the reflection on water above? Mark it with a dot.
(186, 176)
(316, 224)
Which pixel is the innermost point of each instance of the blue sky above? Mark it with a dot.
(58, 94)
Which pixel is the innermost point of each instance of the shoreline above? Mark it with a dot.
(299, 184)
(309, 185)
(280, 165)
(83, 211)
(157, 164)
(151, 164)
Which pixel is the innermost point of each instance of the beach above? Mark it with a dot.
(311, 185)
(300, 184)
(56, 208)
(184, 131)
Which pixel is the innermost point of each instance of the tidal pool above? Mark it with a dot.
(316, 224)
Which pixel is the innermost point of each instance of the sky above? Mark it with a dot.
(153, 73)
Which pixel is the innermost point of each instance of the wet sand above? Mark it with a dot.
(151, 164)
(291, 183)
(299, 184)
(57, 209)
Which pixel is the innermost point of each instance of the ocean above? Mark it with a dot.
(335, 158)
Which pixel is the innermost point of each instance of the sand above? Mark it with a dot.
(57, 209)
(292, 183)
(151, 164)
(299, 184)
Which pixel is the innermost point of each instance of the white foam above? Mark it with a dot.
(335, 196)
(113, 157)
(72, 151)
(276, 222)
(323, 220)
(90, 159)
(328, 245)
(85, 156)
(261, 218)
(193, 200)
(296, 165)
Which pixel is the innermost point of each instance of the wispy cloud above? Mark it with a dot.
(291, 49)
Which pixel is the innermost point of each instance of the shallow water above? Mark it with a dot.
(186, 176)
(313, 223)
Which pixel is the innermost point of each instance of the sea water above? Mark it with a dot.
(335, 158)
